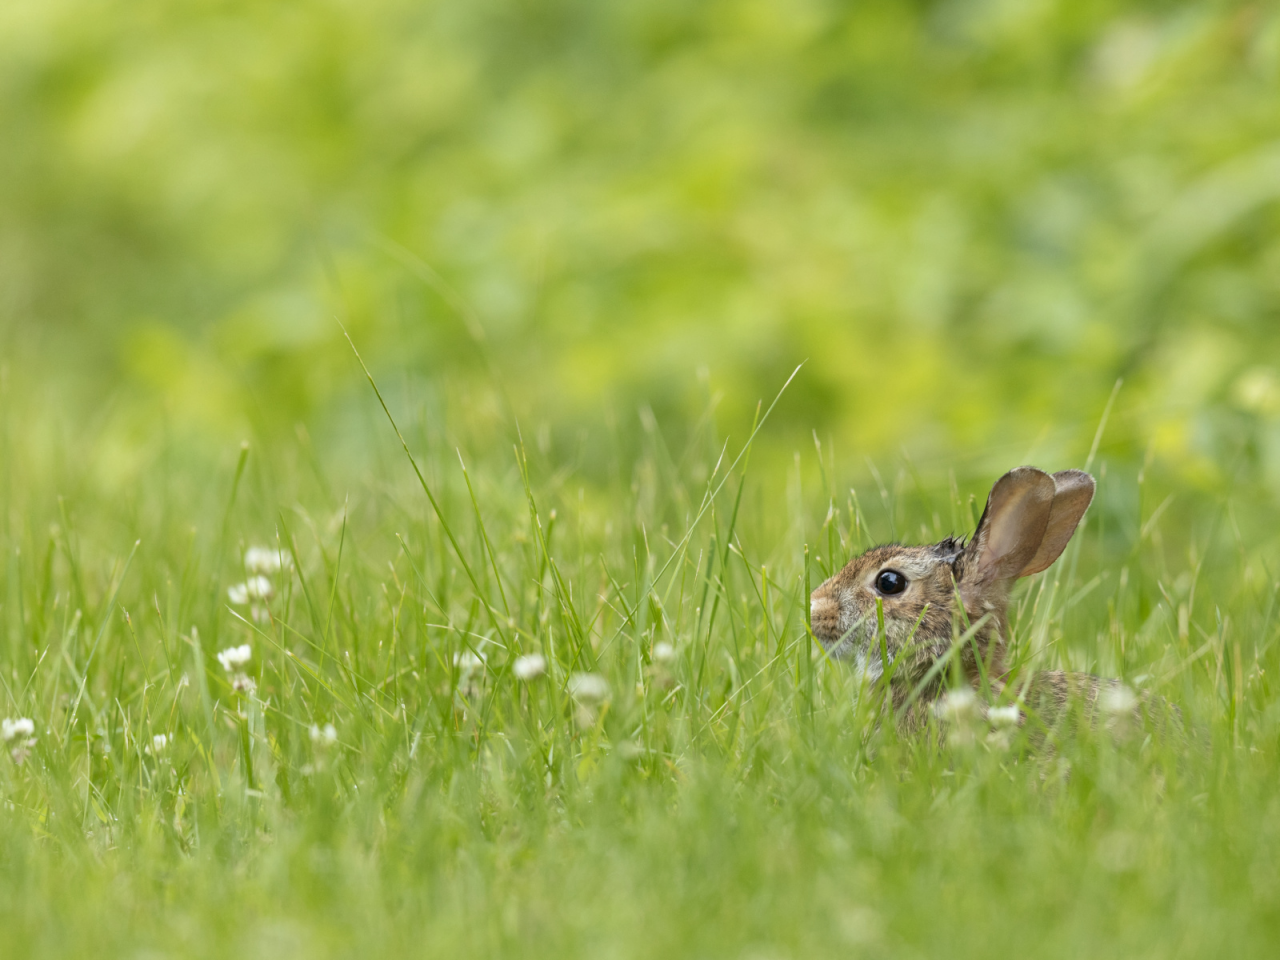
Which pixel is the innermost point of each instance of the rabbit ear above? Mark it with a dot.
(1073, 492)
(1011, 530)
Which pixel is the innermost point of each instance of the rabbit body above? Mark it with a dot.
(928, 596)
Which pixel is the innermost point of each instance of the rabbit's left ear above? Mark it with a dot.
(1073, 492)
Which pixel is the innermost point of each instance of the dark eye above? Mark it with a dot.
(890, 582)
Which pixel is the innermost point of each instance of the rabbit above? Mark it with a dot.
(1029, 518)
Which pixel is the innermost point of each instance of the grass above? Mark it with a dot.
(734, 794)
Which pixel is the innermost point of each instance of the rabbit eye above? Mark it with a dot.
(890, 582)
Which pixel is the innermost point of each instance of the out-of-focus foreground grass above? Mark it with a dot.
(576, 243)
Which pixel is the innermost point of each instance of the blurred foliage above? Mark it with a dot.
(971, 217)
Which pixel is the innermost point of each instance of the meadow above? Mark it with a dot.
(330, 744)
(421, 426)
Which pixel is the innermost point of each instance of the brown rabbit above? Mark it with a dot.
(1029, 518)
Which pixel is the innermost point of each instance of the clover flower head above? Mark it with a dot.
(259, 588)
(1007, 716)
(243, 683)
(530, 666)
(1118, 699)
(957, 705)
(233, 657)
(20, 727)
(255, 588)
(588, 686)
(259, 560)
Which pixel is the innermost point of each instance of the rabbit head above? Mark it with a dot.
(928, 591)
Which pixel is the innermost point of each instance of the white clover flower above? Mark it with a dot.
(530, 666)
(260, 588)
(588, 686)
(1004, 716)
(233, 657)
(21, 727)
(266, 560)
(159, 742)
(255, 588)
(324, 735)
(243, 683)
(663, 652)
(1118, 699)
(957, 705)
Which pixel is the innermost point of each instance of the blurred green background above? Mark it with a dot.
(970, 217)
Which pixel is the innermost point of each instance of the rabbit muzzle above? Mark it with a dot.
(824, 616)
(838, 627)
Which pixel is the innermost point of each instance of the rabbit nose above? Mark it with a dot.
(822, 608)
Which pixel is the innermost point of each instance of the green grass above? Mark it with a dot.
(739, 799)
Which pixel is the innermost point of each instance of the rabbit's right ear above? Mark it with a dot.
(1010, 532)
(1073, 492)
